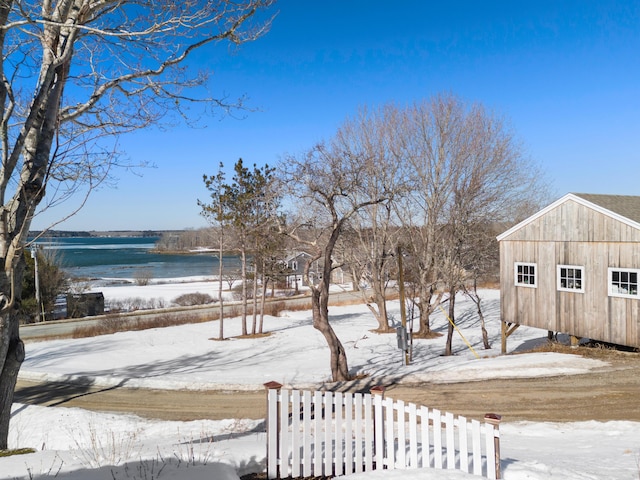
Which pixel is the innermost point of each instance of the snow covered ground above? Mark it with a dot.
(76, 444)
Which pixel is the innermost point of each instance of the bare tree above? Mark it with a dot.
(372, 238)
(468, 170)
(74, 74)
(268, 258)
(423, 135)
(488, 178)
(217, 214)
(265, 237)
(231, 276)
(331, 185)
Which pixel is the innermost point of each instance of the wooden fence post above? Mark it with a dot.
(494, 420)
(273, 433)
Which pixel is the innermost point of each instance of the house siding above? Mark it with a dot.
(573, 222)
(572, 234)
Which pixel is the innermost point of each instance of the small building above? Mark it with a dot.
(85, 305)
(574, 268)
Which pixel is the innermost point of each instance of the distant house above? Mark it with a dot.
(574, 267)
(296, 262)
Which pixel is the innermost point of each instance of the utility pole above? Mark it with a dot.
(34, 255)
(403, 312)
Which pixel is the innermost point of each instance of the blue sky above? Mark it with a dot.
(565, 73)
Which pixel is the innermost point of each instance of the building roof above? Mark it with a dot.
(625, 208)
(293, 255)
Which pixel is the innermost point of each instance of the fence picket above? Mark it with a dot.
(317, 430)
(437, 438)
(379, 432)
(476, 447)
(272, 434)
(451, 441)
(327, 433)
(390, 434)
(296, 437)
(307, 441)
(338, 462)
(348, 434)
(463, 445)
(413, 436)
(368, 432)
(284, 433)
(424, 431)
(359, 446)
(401, 461)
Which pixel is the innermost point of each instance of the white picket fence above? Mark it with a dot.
(325, 433)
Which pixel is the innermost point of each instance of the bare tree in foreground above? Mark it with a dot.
(331, 185)
(74, 74)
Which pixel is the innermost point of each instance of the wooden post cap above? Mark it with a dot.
(272, 385)
(493, 418)
(378, 389)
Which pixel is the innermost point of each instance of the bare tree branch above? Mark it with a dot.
(74, 75)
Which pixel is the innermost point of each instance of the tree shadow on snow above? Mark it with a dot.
(53, 394)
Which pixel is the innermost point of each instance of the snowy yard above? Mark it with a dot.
(76, 444)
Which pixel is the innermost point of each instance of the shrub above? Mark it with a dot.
(274, 308)
(136, 303)
(116, 323)
(143, 276)
(190, 299)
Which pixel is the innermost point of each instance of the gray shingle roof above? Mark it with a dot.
(626, 205)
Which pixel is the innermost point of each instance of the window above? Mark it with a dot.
(570, 278)
(525, 274)
(623, 282)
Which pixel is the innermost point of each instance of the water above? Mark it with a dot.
(127, 258)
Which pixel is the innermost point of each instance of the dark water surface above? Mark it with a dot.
(128, 257)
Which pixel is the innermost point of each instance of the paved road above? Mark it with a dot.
(67, 326)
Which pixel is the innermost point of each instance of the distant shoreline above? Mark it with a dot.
(203, 251)
(100, 234)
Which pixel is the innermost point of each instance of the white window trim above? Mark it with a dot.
(535, 275)
(564, 289)
(610, 282)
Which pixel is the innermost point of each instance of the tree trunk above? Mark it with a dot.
(424, 308)
(262, 303)
(452, 319)
(11, 347)
(220, 282)
(380, 309)
(254, 313)
(355, 280)
(12, 358)
(483, 327)
(320, 302)
(243, 277)
(17, 215)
